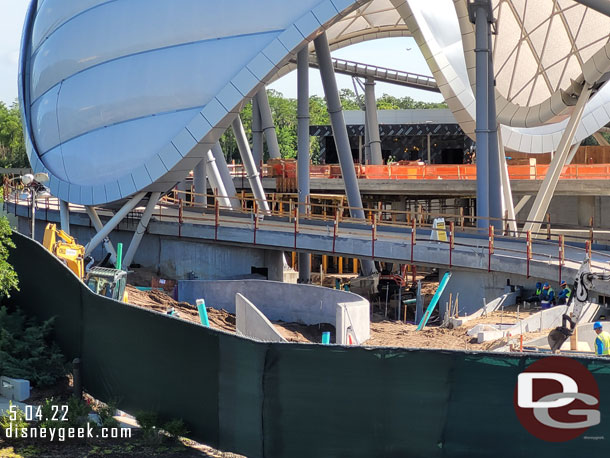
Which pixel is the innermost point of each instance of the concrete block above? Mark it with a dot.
(481, 328)
(486, 336)
(14, 389)
(250, 322)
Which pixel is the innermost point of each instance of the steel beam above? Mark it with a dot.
(481, 16)
(341, 138)
(522, 202)
(547, 189)
(200, 183)
(495, 180)
(267, 124)
(64, 215)
(97, 224)
(257, 133)
(216, 182)
(141, 229)
(507, 193)
(600, 139)
(225, 174)
(303, 149)
(372, 121)
(251, 171)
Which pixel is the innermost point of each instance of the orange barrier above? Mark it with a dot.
(288, 169)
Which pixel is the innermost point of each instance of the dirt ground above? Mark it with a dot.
(384, 332)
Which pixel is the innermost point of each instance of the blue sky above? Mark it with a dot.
(397, 53)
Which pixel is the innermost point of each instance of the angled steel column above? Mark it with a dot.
(216, 182)
(495, 179)
(600, 139)
(64, 215)
(225, 174)
(97, 224)
(522, 202)
(547, 189)
(200, 183)
(257, 133)
(303, 149)
(507, 194)
(479, 12)
(141, 229)
(267, 124)
(372, 121)
(114, 221)
(337, 121)
(251, 171)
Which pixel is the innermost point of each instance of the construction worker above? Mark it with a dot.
(536, 296)
(564, 294)
(602, 341)
(547, 298)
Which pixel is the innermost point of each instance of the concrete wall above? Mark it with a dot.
(252, 323)
(307, 304)
(179, 258)
(473, 287)
(575, 210)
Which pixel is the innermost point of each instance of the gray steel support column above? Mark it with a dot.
(64, 215)
(481, 10)
(257, 133)
(507, 194)
(495, 176)
(547, 189)
(267, 124)
(216, 182)
(114, 221)
(303, 149)
(367, 141)
(372, 121)
(600, 139)
(200, 183)
(225, 174)
(97, 224)
(344, 151)
(251, 171)
(429, 148)
(141, 229)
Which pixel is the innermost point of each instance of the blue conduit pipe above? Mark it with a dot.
(435, 299)
(203, 313)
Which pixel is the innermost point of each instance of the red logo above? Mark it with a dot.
(557, 399)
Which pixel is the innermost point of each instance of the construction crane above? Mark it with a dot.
(101, 280)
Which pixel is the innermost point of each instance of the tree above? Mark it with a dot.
(12, 145)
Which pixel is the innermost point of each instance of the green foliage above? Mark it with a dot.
(284, 111)
(53, 412)
(175, 428)
(16, 423)
(148, 422)
(106, 414)
(8, 277)
(26, 350)
(12, 146)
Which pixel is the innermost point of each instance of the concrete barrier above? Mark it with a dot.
(252, 323)
(306, 304)
(505, 300)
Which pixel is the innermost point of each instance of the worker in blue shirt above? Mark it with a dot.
(564, 295)
(547, 298)
(602, 341)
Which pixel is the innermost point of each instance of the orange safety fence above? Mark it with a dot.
(288, 169)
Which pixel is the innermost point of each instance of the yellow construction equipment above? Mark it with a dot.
(64, 247)
(101, 280)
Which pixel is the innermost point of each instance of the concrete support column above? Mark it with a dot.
(337, 121)
(225, 174)
(372, 121)
(64, 215)
(141, 229)
(114, 221)
(257, 133)
(251, 171)
(586, 210)
(218, 187)
(303, 149)
(267, 124)
(200, 183)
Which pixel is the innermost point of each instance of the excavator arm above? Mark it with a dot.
(65, 248)
(584, 282)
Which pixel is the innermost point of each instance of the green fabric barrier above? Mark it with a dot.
(289, 400)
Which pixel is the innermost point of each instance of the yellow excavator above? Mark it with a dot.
(101, 280)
